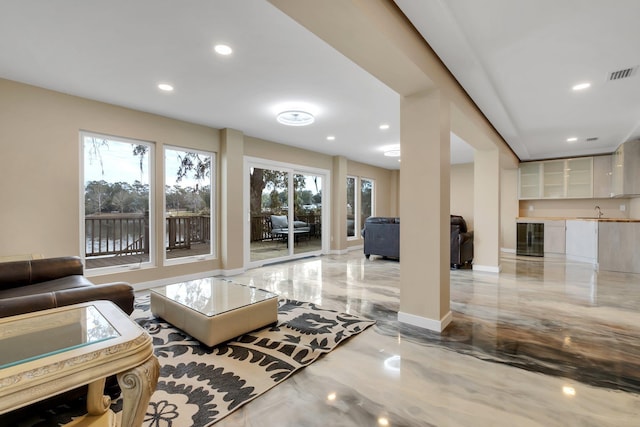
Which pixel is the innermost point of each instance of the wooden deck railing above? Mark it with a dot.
(116, 234)
(128, 234)
(184, 230)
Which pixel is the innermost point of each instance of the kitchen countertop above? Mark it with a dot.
(558, 218)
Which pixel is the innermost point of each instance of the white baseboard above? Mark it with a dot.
(424, 322)
(338, 251)
(233, 272)
(508, 250)
(487, 268)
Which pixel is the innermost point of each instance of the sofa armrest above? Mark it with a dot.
(120, 294)
(46, 269)
(465, 237)
(20, 273)
(26, 304)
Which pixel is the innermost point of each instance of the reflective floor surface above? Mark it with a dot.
(544, 343)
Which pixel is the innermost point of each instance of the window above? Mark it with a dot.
(351, 207)
(366, 199)
(188, 184)
(360, 204)
(116, 203)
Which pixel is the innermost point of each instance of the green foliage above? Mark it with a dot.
(193, 162)
(121, 197)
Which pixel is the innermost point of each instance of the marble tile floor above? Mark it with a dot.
(546, 342)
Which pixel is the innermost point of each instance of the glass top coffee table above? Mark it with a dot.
(48, 352)
(214, 310)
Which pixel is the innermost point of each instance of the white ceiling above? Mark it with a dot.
(518, 61)
(117, 51)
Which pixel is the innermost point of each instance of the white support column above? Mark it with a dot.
(424, 203)
(486, 212)
(232, 215)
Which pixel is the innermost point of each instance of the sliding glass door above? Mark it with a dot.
(307, 221)
(285, 212)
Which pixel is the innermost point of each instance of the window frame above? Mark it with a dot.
(212, 207)
(373, 200)
(355, 208)
(151, 263)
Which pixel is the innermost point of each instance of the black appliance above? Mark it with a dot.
(530, 239)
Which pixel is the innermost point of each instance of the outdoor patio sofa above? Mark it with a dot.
(280, 226)
(39, 284)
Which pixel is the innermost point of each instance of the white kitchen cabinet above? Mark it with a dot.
(554, 236)
(556, 179)
(529, 180)
(553, 179)
(602, 176)
(582, 240)
(579, 178)
(626, 163)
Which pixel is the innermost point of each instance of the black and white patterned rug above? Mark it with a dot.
(200, 385)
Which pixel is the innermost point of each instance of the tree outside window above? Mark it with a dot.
(188, 203)
(366, 199)
(116, 202)
(351, 206)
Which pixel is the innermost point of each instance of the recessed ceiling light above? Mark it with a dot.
(295, 118)
(392, 153)
(384, 126)
(165, 87)
(581, 86)
(572, 139)
(331, 138)
(223, 49)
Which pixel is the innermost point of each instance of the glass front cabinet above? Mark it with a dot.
(556, 179)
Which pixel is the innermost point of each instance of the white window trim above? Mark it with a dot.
(213, 217)
(262, 163)
(152, 237)
(373, 200)
(356, 209)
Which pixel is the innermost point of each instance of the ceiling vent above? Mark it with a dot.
(622, 74)
(593, 138)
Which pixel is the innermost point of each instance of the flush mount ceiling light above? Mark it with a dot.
(165, 87)
(384, 126)
(223, 49)
(392, 153)
(581, 86)
(331, 138)
(572, 139)
(295, 118)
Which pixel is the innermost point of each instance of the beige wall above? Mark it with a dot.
(255, 147)
(384, 191)
(40, 168)
(462, 192)
(634, 207)
(509, 208)
(40, 174)
(574, 208)
(462, 200)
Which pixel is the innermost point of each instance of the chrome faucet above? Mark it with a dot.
(597, 208)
